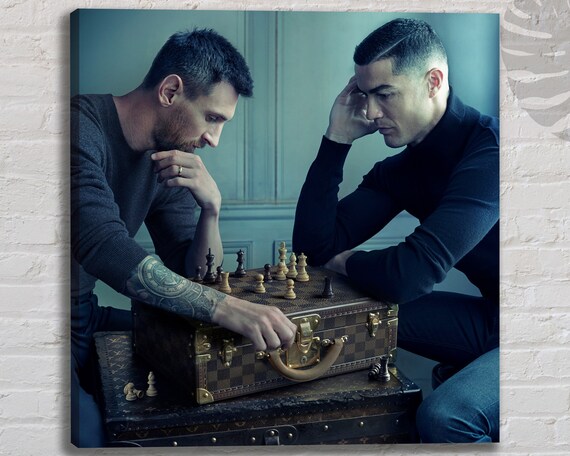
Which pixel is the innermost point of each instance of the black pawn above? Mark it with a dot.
(267, 275)
(219, 271)
(328, 291)
(209, 277)
(240, 271)
(198, 276)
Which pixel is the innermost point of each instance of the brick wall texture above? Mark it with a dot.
(34, 236)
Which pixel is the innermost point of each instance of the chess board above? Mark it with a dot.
(211, 363)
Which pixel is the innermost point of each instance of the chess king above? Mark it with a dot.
(447, 176)
(132, 161)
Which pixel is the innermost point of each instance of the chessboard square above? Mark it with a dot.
(223, 373)
(248, 369)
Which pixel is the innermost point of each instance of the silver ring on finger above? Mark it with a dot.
(179, 170)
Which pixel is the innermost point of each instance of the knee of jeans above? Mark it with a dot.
(441, 419)
(432, 421)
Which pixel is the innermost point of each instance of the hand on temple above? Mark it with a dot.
(347, 120)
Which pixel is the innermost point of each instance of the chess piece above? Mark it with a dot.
(281, 265)
(240, 271)
(302, 275)
(379, 371)
(259, 288)
(138, 393)
(290, 294)
(267, 274)
(292, 272)
(210, 276)
(219, 271)
(129, 391)
(151, 390)
(279, 275)
(384, 374)
(198, 277)
(225, 285)
(328, 291)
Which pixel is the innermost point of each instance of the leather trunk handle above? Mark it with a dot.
(305, 375)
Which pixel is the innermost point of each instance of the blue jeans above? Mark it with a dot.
(462, 331)
(87, 317)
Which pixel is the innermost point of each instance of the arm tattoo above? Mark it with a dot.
(155, 284)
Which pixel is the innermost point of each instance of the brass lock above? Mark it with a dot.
(373, 323)
(306, 351)
(227, 351)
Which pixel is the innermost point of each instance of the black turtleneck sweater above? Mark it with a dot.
(450, 182)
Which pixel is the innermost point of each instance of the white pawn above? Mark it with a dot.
(290, 294)
(151, 391)
(259, 288)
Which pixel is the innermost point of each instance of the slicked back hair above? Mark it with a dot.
(201, 58)
(411, 44)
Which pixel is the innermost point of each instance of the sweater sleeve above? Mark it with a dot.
(465, 214)
(325, 226)
(100, 241)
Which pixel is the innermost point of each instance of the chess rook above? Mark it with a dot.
(225, 285)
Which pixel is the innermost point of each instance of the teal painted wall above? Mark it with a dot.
(299, 62)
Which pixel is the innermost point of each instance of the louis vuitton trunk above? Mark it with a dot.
(345, 409)
(345, 332)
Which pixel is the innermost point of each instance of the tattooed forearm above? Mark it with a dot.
(155, 284)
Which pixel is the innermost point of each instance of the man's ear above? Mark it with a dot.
(435, 81)
(170, 87)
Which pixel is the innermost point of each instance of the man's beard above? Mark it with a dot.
(168, 136)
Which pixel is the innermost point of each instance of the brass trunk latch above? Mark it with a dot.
(373, 323)
(306, 351)
(227, 352)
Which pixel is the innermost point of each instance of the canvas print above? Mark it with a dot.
(284, 228)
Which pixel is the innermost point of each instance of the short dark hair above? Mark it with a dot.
(201, 58)
(410, 43)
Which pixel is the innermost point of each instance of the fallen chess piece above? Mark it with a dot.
(131, 393)
(379, 371)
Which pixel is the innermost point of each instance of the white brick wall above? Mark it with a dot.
(34, 36)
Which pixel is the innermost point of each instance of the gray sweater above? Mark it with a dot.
(113, 191)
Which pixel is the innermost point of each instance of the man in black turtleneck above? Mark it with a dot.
(447, 177)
